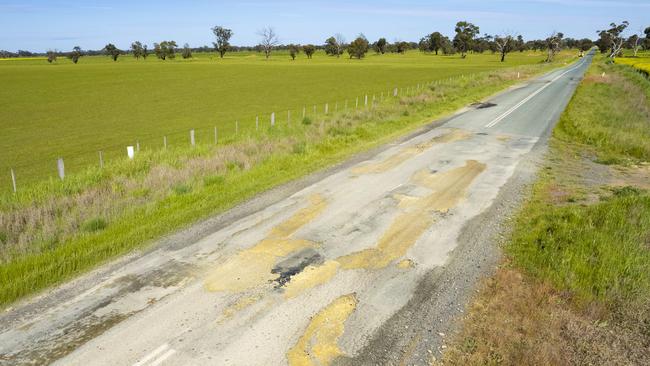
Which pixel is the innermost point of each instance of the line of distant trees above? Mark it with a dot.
(466, 40)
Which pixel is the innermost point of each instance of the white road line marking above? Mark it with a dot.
(511, 110)
(162, 358)
(152, 355)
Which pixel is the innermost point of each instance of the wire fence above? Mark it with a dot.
(22, 176)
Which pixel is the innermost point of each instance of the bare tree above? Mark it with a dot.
(636, 41)
(269, 40)
(340, 44)
(504, 44)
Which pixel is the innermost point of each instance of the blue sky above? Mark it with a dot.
(38, 25)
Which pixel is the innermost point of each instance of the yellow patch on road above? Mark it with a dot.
(311, 277)
(252, 267)
(240, 305)
(319, 343)
(409, 152)
(405, 264)
(448, 189)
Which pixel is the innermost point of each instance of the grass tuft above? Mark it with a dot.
(94, 225)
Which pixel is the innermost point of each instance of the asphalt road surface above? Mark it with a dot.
(362, 264)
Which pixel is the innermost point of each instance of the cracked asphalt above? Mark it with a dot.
(368, 263)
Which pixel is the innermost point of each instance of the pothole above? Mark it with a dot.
(483, 105)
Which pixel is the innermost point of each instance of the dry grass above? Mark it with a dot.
(519, 321)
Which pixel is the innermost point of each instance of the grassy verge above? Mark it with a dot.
(575, 288)
(58, 230)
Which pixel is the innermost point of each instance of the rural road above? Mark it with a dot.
(367, 264)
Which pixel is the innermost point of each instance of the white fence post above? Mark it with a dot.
(356, 104)
(61, 168)
(192, 141)
(273, 119)
(327, 107)
(101, 160)
(13, 180)
(165, 142)
(304, 112)
(130, 152)
(137, 146)
(257, 123)
(395, 92)
(366, 101)
(216, 135)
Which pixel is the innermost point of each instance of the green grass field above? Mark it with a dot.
(74, 111)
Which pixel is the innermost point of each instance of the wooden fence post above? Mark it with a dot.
(61, 168)
(13, 180)
(101, 160)
(216, 136)
(192, 141)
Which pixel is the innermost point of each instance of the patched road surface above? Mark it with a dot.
(325, 275)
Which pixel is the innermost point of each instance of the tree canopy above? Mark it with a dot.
(222, 35)
(359, 47)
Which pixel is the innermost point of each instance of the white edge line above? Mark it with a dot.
(151, 355)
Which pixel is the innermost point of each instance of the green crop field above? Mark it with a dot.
(74, 111)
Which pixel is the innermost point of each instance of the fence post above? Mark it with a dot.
(356, 104)
(257, 123)
(272, 119)
(366, 101)
(327, 106)
(137, 146)
(165, 142)
(236, 127)
(288, 117)
(61, 168)
(101, 160)
(395, 92)
(216, 136)
(192, 141)
(304, 112)
(13, 180)
(130, 152)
